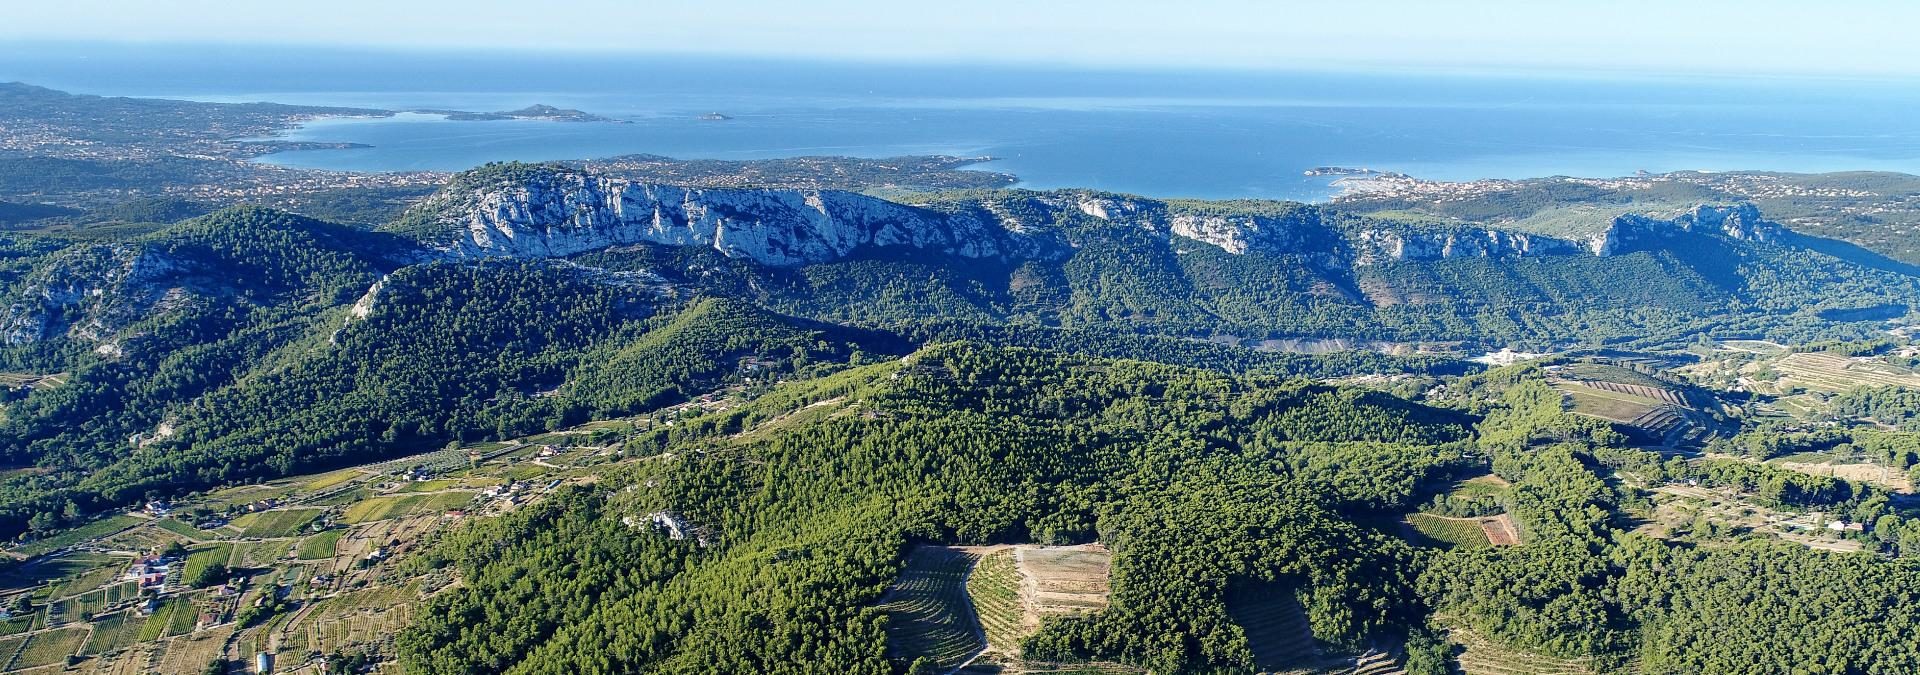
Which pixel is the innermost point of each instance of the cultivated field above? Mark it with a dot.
(1063, 579)
(1448, 532)
(1465, 532)
(1276, 629)
(1660, 416)
(1828, 372)
(1480, 656)
(328, 545)
(928, 613)
(970, 607)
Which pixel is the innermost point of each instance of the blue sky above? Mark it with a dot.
(1858, 38)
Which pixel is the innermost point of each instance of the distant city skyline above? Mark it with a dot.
(1760, 37)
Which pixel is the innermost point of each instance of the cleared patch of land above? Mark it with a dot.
(928, 613)
(1448, 532)
(1829, 372)
(1681, 510)
(1064, 579)
(1480, 656)
(1864, 472)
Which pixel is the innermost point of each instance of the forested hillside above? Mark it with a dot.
(1262, 411)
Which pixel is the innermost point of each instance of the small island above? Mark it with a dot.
(538, 111)
(1347, 171)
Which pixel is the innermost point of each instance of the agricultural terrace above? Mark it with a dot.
(969, 608)
(1479, 656)
(312, 564)
(1658, 413)
(1833, 373)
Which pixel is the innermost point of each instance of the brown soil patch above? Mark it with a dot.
(1501, 530)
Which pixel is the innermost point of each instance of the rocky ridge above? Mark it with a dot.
(556, 212)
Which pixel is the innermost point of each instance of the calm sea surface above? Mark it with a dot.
(1186, 134)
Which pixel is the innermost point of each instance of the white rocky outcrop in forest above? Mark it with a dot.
(564, 213)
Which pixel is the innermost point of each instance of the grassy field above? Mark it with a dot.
(1448, 532)
(927, 608)
(1482, 486)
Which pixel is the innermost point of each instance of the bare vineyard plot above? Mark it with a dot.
(1065, 579)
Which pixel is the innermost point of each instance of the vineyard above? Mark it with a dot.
(1479, 656)
(1827, 372)
(1276, 629)
(1655, 415)
(928, 613)
(326, 546)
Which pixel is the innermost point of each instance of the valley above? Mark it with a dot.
(885, 416)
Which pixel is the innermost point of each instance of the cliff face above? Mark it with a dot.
(563, 213)
(1634, 232)
(1377, 245)
(91, 293)
(555, 212)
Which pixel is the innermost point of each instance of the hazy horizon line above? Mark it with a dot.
(1320, 66)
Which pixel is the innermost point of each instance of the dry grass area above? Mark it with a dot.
(1678, 507)
(1883, 476)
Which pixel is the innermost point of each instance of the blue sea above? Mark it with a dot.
(1208, 134)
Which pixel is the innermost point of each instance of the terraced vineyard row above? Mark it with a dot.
(1276, 629)
(927, 609)
(1483, 657)
(1837, 373)
(1661, 394)
(994, 589)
